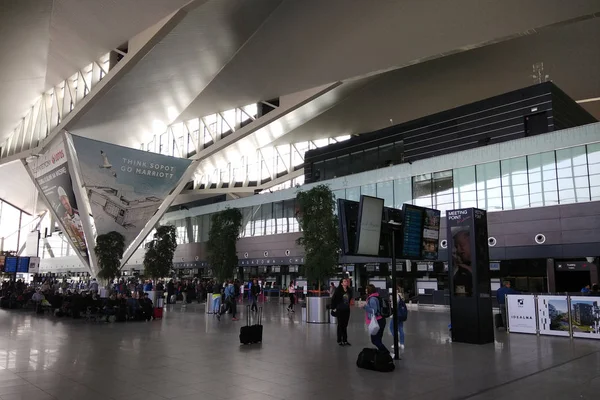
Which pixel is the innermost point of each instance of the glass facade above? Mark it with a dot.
(557, 177)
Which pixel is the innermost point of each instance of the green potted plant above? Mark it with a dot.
(109, 251)
(319, 236)
(222, 239)
(158, 259)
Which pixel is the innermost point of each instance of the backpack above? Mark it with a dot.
(402, 311)
(385, 306)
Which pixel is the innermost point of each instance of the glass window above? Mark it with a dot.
(205, 227)
(267, 217)
(573, 181)
(443, 195)
(318, 171)
(353, 194)
(357, 160)
(422, 190)
(290, 216)
(330, 169)
(385, 191)
(342, 166)
(402, 192)
(465, 189)
(339, 194)
(278, 216)
(371, 160)
(368, 190)
(515, 186)
(541, 171)
(489, 189)
(593, 155)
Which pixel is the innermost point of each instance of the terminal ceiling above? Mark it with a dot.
(228, 53)
(214, 55)
(43, 42)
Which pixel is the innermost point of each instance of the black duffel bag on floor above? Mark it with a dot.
(375, 360)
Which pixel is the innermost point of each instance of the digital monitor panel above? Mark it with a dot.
(10, 265)
(23, 264)
(431, 234)
(348, 222)
(370, 214)
(420, 233)
(412, 232)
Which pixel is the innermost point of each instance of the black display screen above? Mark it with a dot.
(412, 232)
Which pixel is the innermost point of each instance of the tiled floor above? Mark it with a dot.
(189, 355)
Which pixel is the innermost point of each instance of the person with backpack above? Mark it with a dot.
(374, 308)
(230, 302)
(402, 317)
(340, 306)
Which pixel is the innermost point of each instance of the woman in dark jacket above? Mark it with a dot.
(340, 304)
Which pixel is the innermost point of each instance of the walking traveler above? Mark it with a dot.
(340, 305)
(402, 317)
(292, 294)
(254, 292)
(501, 296)
(373, 310)
(230, 302)
(216, 297)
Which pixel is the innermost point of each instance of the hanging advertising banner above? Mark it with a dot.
(50, 172)
(125, 187)
(585, 317)
(553, 315)
(520, 310)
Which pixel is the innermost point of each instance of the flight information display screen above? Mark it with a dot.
(412, 232)
(23, 264)
(10, 265)
(421, 233)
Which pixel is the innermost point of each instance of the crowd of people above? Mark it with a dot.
(129, 300)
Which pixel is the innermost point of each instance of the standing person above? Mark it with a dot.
(340, 304)
(373, 309)
(215, 289)
(501, 296)
(332, 290)
(230, 301)
(292, 294)
(170, 290)
(254, 292)
(402, 315)
(585, 289)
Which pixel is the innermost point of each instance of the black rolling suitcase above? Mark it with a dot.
(498, 321)
(374, 360)
(251, 333)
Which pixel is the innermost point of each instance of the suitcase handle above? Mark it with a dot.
(247, 315)
(260, 315)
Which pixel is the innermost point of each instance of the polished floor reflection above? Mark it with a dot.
(190, 355)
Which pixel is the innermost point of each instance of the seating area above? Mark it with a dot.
(77, 304)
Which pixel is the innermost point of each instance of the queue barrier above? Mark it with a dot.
(554, 315)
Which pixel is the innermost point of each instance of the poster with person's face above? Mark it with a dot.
(52, 174)
(462, 261)
(431, 234)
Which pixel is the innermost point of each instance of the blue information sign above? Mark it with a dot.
(10, 265)
(23, 264)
